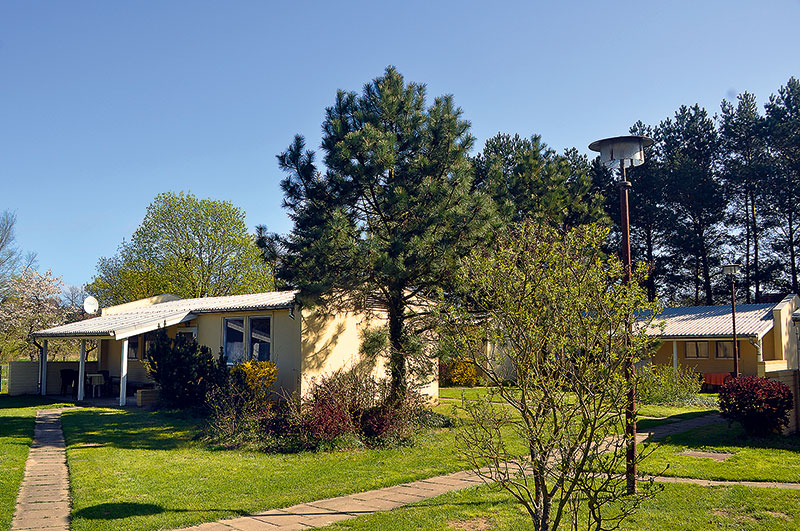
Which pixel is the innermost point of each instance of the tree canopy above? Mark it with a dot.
(186, 246)
(391, 212)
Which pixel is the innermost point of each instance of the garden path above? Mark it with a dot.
(43, 500)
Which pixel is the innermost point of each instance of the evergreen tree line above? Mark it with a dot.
(717, 189)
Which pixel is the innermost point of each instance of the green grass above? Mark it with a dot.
(3, 379)
(678, 507)
(453, 395)
(17, 417)
(771, 459)
(132, 469)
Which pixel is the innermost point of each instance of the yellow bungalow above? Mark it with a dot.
(303, 343)
(701, 337)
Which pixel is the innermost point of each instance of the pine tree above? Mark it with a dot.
(745, 167)
(391, 213)
(783, 123)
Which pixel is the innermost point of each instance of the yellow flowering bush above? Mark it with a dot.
(258, 376)
(463, 373)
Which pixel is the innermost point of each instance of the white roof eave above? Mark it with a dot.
(161, 322)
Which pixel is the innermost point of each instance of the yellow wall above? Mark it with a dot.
(311, 345)
(747, 357)
(785, 337)
(332, 341)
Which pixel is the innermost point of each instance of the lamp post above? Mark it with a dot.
(731, 270)
(621, 152)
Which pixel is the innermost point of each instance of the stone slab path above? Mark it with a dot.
(43, 499)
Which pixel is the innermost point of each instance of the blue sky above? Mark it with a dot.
(105, 104)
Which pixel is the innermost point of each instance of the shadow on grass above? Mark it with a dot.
(13, 402)
(644, 424)
(17, 427)
(131, 429)
(725, 435)
(114, 511)
(119, 510)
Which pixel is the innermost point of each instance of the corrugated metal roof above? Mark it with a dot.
(752, 320)
(153, 316)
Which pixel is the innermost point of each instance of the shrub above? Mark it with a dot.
(240, 407)
(257, 377)
(761, 405)
(183, 370)
(459, 372)
(665, 385)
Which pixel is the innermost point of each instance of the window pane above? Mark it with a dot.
(234, 340)
(259, 338)
(133, 348)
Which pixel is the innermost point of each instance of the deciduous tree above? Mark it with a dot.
(186, 246)
(550, 311)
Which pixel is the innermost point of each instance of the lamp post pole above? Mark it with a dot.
(731, 270)
(733, 319)
(630, 369)
(617, 152)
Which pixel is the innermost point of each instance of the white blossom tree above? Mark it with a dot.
(32, 302)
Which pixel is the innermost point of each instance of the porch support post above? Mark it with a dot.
(82, 369)
(43, 358)
(675, 355)
(759, 350)
(123, 373)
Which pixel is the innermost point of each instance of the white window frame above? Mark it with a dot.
(249, 335)
(245, 334)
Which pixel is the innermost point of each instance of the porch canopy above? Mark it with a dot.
(127, 320)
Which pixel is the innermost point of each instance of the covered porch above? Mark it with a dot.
(119, 370)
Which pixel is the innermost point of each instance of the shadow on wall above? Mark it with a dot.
(320, 338)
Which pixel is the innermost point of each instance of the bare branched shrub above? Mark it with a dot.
(550, 311)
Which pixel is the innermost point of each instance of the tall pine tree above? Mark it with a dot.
(392, 211)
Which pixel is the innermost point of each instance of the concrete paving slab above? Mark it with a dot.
(249, 523)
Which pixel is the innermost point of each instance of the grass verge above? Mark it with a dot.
(132, 469)
(754, 459)
(677, 507)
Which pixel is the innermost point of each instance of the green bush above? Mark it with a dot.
(183, 370)
(664, 385)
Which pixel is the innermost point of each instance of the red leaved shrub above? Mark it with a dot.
(761, 405)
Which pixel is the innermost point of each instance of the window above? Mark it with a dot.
(696, 349)
(260, 338)
(189, 332)
(133, 348)
(725, 350)
(234, 340)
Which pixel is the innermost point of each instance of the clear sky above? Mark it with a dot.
(105, 104)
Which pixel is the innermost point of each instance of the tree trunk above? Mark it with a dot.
(756, 267)
(397, 359)
(651, 281)
(747, 266)
(792, 262)
(706, 274)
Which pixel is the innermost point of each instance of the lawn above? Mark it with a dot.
(17, 416)
(133, 469)
(686, 507)
(754, 459)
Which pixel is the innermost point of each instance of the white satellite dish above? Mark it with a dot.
(90, 305)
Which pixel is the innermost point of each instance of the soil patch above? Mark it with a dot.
(716, 456)
(479, 523)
